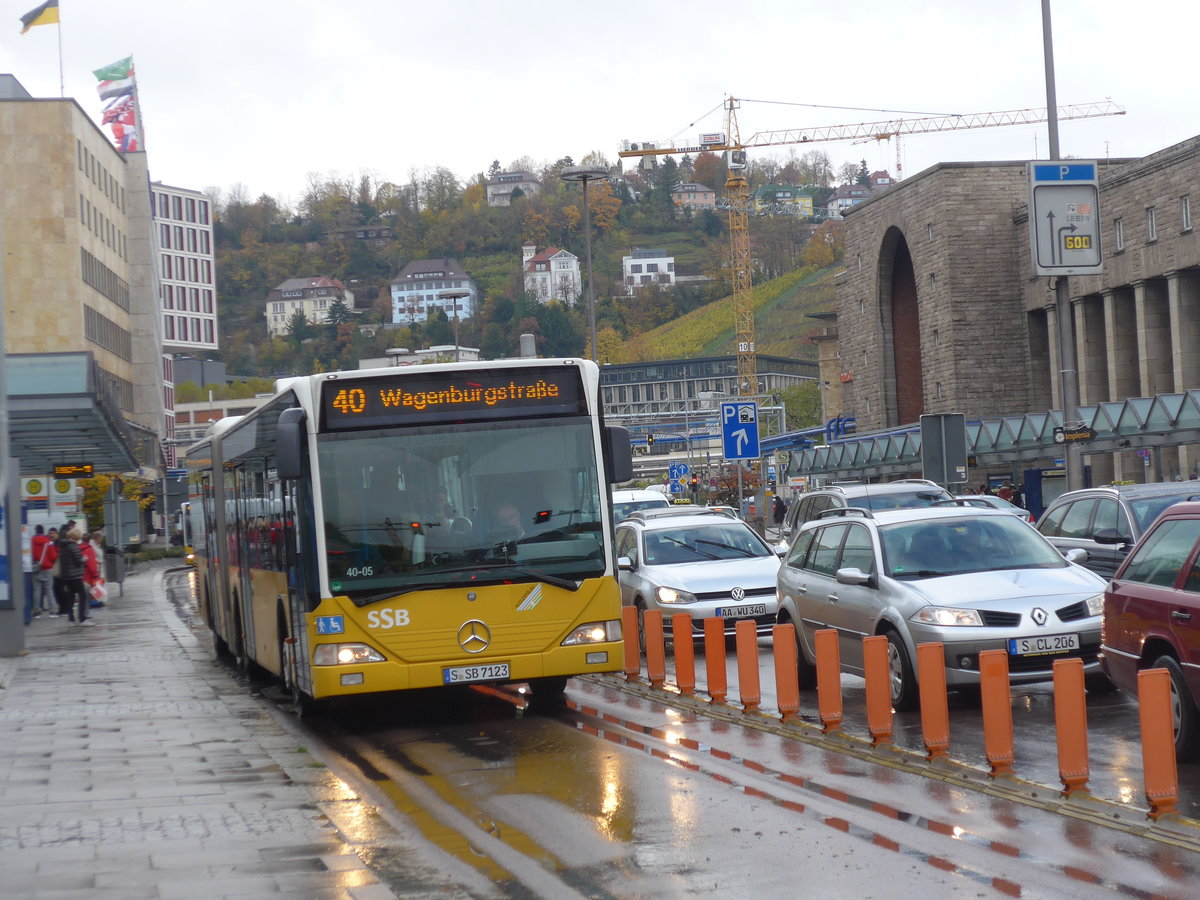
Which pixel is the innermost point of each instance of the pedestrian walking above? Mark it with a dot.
(778, 511)
(93, 578)
(71, 572)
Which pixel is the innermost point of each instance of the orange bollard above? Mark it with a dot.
(829, 679)
(879, 691)
(749, 688)
(1070, 725)
(935, 709)
(629, 632)
(685, 653)
(787, 681)
(996, 700)
(1158, 742)
(656, 648)
(714, 659)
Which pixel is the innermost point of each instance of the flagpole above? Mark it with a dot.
(62, 85)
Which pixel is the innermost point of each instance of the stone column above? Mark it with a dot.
(1183, 300)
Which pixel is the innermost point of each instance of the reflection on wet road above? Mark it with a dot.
(618, 793)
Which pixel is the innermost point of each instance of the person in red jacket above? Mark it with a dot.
(41, 546)
(91, 569)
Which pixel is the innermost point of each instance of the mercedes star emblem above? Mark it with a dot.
(474, 636)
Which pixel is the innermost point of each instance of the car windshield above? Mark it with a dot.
(623, 509)
(430, 507)
(1146, 510)
(694, 543)
(954, 546)
(900, 499)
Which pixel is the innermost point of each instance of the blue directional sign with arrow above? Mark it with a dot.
(739, 430)
(1064, 217)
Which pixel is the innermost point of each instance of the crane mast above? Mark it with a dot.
(737, 190)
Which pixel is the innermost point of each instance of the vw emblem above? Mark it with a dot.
(1039, 615)
(738, 594)
(474, 636)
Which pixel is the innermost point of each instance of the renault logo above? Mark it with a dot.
(738, 594)
(1039, 615)
(474, 636)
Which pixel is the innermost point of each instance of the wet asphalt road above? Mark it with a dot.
(619, 795)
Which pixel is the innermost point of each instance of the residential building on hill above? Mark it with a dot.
(690, 195)
(774, 195)
(846, 196)
(552, 274)
(500, 188)
(417, 291)
(311, 296)
(642, 267)
(373, 235)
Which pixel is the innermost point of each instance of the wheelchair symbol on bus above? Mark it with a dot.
(330, 625)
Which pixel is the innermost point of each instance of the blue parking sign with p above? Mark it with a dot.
(739, 430)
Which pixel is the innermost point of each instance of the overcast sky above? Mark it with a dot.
(264, 92)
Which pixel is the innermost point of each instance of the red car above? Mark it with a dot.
(1152, 617)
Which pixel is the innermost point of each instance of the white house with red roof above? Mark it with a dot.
(552, 274)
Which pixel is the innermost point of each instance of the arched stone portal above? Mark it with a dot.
(901, 325)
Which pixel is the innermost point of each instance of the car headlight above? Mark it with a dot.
(594, 633)
(345, 655)
(674, 595)
(946, 616)
(1095, 605)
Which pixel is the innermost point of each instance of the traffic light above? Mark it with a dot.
(650, 439)
(695, 482)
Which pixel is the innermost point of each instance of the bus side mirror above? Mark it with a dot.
(619, 453)
(291, 432)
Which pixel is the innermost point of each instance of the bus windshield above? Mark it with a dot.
(475, 503)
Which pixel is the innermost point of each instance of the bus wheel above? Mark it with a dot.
(304, 706)
(548, 692)
(549, 687)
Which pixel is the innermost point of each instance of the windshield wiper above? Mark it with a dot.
(696, 550)
(544, 577)
(724, 546)
(529, 573)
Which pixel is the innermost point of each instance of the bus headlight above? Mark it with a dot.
(345, 655)
(594, 633)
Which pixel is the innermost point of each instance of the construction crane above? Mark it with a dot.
(737, 187)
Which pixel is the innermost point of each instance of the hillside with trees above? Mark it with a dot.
(261, 243)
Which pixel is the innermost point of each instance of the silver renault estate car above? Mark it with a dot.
(972, 579)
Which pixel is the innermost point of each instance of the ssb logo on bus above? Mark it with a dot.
(331, 625)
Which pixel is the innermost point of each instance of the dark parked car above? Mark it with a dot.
(1107, 521)
(1152, 617)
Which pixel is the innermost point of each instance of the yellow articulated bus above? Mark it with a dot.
(388, 529)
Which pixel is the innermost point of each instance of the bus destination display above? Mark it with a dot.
(419, 398)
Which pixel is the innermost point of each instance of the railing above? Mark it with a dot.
(1160, 775)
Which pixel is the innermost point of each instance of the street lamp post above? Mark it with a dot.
(455, 296)
(586, 174)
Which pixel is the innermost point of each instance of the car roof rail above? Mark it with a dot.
(954, 501)
(915, 481)
(839, 511)
(665, 512)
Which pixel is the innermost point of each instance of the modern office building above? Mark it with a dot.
(79, 290)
